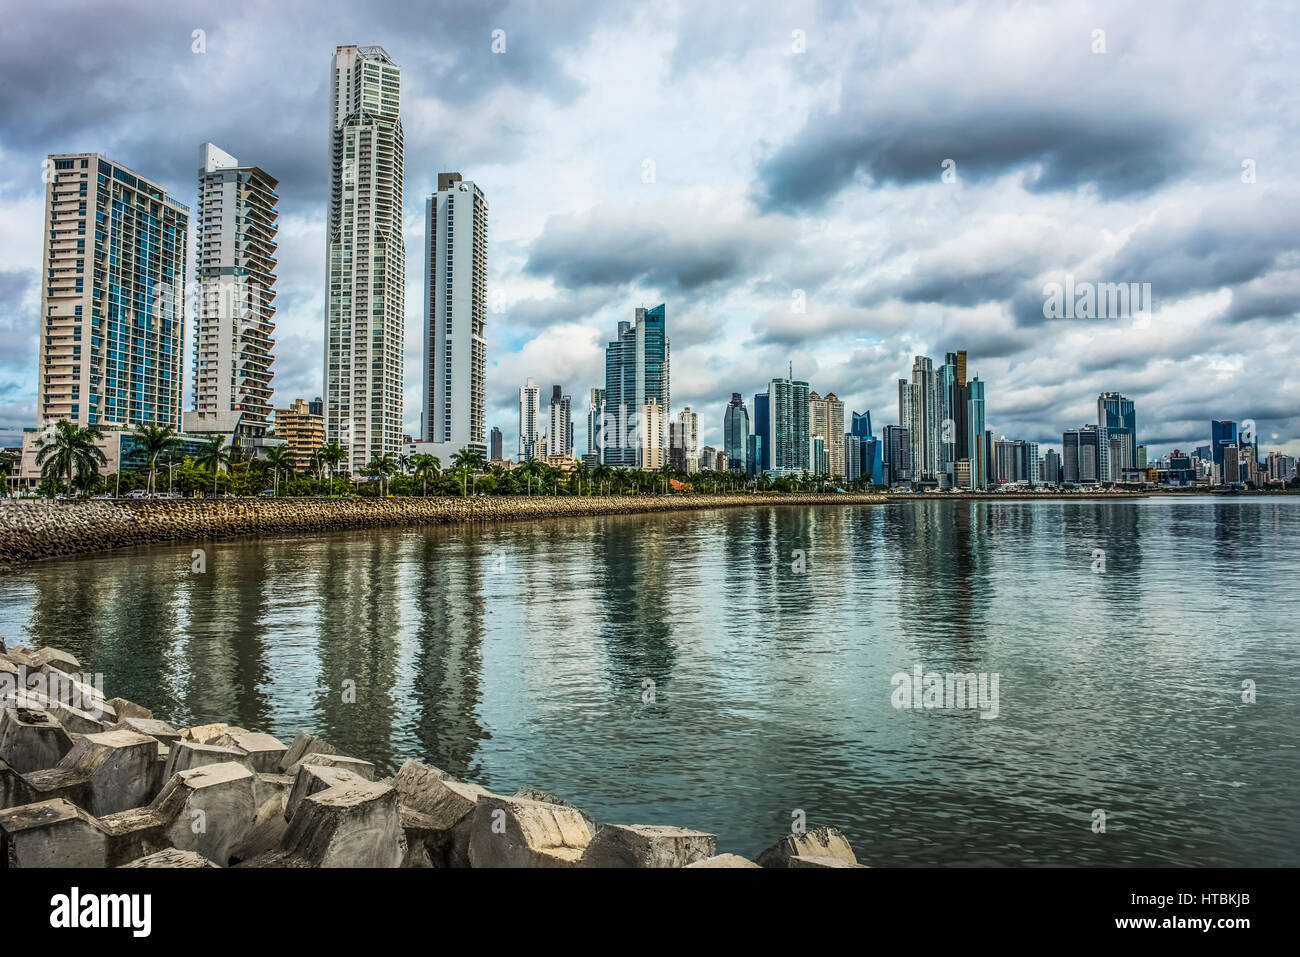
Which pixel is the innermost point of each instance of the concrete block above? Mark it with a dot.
(724, 860)
(516, 832)
(304, 744)
(128, 709)
(104, 773)
(52, 833)
(312, 779)
(263, 750)
(639, 845)
(206, 733)
(437, 812)
(63, 660)
(32, 740)
(161, 731)
(819, 842)
(353, 824)
(209, 810)
(362, 769)
(187, 755)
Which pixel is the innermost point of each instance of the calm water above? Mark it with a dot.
(516, 655)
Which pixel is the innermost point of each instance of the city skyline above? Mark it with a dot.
(891, 261)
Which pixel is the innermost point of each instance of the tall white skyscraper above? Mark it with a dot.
(235, 270)
(529, 412)
(559, 431)
(455, 313)
(112, 296)
(919, 413)
(688, 427)
(365, 297)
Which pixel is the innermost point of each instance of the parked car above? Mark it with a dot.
(267, 493)
(137, 493)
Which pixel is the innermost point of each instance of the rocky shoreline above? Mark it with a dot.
(36, 530)
(92, 782)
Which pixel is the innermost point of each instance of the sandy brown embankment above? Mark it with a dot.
(35, 530)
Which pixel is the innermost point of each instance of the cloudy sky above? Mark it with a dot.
(735, 165)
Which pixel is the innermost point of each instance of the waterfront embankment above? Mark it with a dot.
(34, 530)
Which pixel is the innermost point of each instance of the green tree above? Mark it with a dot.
(330, 456)
(465, 462)
(153, 441)
(213, 456)
(68, 450)
(424, 465)
(279, 459)
(382, 466)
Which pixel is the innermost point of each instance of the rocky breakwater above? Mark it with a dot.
(34, 530)
(127, 790)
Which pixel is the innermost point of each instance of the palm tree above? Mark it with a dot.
(330, 456)
(422, 466)
(581, 474)
(465, 461)
(383, 466)
(69, 450)
(602, 474)
(279, 457)
(153, 440)
(214, 454)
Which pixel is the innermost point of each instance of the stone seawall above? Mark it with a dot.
(35, 530)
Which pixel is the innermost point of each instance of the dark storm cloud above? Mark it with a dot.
(1059, 150)
(1206, 247)
(611, 247)
(110, 77)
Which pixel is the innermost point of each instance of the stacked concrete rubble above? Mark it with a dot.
(92, 782)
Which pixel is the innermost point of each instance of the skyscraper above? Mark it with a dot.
(1052, 468)
(636, 371)
(455, 314)
(826, 419)
(497, 443)
(1116, 415)
(919, 413)
(1222, 435)
(651, 417)
(529, 413)
(897, 455)
(233, 349)
(735, 433)
(365, 290)
(1081, 459)
(788, 427)
(112, 325)
(559, 430)
(595, 422)
(688, 431)
(760, 455)
(954, 403)
(976, 446)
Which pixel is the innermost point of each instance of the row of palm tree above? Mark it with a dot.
(69, 455)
